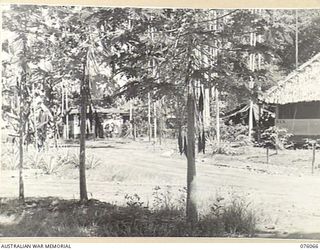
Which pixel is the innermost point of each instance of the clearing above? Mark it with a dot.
(283, 193)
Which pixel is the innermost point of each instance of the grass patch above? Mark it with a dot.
(52, 161)
(52, 217)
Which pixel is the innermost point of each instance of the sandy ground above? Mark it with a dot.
(284, 193)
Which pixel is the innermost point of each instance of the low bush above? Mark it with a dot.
(9, 159)
(226, 148)
(231, 133)
(275, 137)
(232, 139)
(310, 143)
(52, 218)
(73, 160)
(165, 200)
(50, 162)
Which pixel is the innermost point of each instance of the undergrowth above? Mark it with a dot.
(51, 161)
(70, 218)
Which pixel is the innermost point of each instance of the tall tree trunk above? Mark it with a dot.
(192, 213)
(259, 124)
(313, 156)
(252, 64)
(155, 122)
(206, 115)
(180, 139)
(250, 118)
(149, 118)
(217, 116)
(132, 125)
(34, 118)
(134, 130)
(216, 54)
(160, 123)
(67, 115)
(64, 135)
(83, 118)
(297, 40)
(21, 122)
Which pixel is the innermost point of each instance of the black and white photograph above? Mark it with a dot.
(160, 122)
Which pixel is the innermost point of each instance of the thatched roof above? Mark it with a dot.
(302, 85)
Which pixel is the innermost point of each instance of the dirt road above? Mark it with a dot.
(288, 204)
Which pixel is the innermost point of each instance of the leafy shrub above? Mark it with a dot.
(133, 200)
(275, 137)
(308, 143)
(231, 133)
(233, 219)
(9, 159)
(49, 161)
(73, 160)
(165, 200)
(238, 218)
(242, 140)
(232, 138)
(224, 147)
(53, 217)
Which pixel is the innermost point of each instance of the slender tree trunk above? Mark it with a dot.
(313, 156)
(160, 123)
(297, 40)
(21, 123)
(252, 64)
(258, 119)
(67, 115)
(132, 125)
(216, 54)
(83, 118)
(250, 118)
(180, 139)
(21, 120)
(192, 213)
(259, 123)
(206, 108)
(134, 130)
(217, 116)
(64, 134)
(149, 118)
(34, 118)
(155, 122)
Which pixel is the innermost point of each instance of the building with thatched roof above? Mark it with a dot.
(297, 100)
(98, 118)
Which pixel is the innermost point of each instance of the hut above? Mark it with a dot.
(101, 122)
(297, 101)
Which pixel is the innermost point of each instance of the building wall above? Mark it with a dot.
(300, 110)
(299, 118)
(115, 119)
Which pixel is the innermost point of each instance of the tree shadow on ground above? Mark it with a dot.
(53, 217)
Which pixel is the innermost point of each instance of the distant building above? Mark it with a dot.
(101, 122)
(297, 101)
